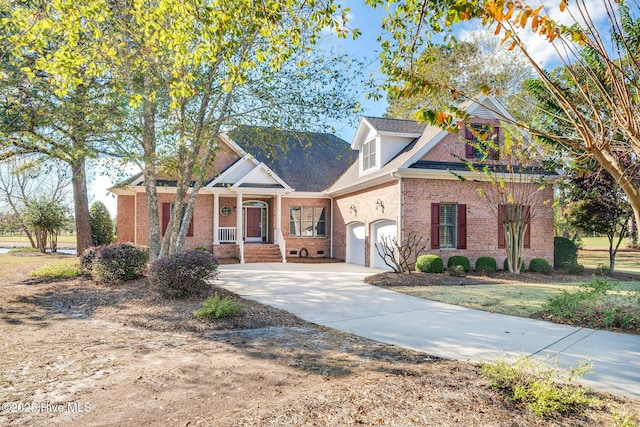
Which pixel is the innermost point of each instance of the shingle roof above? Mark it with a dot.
(396, 125)
(306, 161)
(457, 166)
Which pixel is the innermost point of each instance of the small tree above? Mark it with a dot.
(400, 255)
(101, 224)
(516, 191)
(45, 218)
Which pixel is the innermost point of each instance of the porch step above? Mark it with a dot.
(261, 252)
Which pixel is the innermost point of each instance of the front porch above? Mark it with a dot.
(248, 227)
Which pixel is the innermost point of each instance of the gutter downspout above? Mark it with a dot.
(400, 207)
(331, 233)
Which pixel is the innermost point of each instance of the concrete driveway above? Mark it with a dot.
(335, 295)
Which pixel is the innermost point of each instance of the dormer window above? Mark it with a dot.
(480, 135)
(369, 155)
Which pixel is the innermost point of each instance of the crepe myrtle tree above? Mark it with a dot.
(190, 70)
(515, 189)
(599, 57)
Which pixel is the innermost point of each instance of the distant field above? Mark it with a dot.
(601, 243)
(24, 239)
(626, 261)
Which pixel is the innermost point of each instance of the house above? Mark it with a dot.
(316, 196)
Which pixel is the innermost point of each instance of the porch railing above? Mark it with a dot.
(227, 234)
(281, 244)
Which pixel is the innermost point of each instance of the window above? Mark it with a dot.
(482, 136)
(166, 215)
(307, 221)
(508, 213)
(369, 155)
(225, 210)
(448, 226)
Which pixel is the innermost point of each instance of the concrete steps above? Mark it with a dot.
(261, 252)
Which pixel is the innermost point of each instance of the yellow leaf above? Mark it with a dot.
(534, 23)
(498, 28)
(509, 11)
(537, 10)
(563, 5)
(513, 45)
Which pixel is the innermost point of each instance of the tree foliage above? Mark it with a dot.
(45, 218)
(602, 101)
(101, 224)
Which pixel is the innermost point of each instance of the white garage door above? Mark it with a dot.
(380, 230)
(355, 243)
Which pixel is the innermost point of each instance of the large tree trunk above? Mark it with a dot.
(149, 145)
(81, 206)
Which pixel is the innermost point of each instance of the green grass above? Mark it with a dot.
(24, 239)
(522, 299)
(65, 269)
(626, 261)
(13, 266)
(601, 243)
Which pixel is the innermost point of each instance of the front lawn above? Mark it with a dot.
(523, 295)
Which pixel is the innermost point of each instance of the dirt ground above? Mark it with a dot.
(79, 354)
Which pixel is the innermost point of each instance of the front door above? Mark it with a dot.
(254, 224)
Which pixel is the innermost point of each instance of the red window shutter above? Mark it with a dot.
(190, 229)
(493, 153)
(527, 234)
(435, 225)
(502, 212)
(462, 227)
(166, 214)
(468, 148)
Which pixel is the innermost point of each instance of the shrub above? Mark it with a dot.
(119, 262)
(201, 249)
(66, 269)
(457, 271)
(86, 260)
(486, 263)
(429, 264)
(218, 308)
(575, 268)
(565, 252)
(459, 260)
(101, 224)
(540, 265)
(538, 387)
(183, 274)
(505, 265)
(602, 270)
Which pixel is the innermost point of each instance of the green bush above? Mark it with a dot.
(565, 252)
(505, 265)
(540, 388)
(603, 270)
(66, 269)
(429, 264)
(214, 307)
(540, 265)
(459, 260)
(457, 271)
(183, 274)
(486, 264)
(119, 262)
(595, 306)
(101, 224)
(575, 268)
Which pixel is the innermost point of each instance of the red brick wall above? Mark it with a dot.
(312, 244)
(366, 212)
(126, 219)
(452, 147)
(482, 226)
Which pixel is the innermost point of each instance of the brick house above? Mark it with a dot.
(318, 197)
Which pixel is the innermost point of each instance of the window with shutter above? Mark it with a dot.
(166, 215)
(448, 225)
(482, 137)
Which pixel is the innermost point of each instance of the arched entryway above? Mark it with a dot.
(355, 243)
(380, 230)
(256, 225)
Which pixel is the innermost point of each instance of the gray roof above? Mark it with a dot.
(495, 168)
(306, 161)
(396, 125)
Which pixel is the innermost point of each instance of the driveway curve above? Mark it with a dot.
(335, 295)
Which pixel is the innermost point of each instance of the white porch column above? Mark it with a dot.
(216, 219)
(278, 216)
(239, 227)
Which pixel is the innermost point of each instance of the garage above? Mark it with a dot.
(379, 231)
(355, 243)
